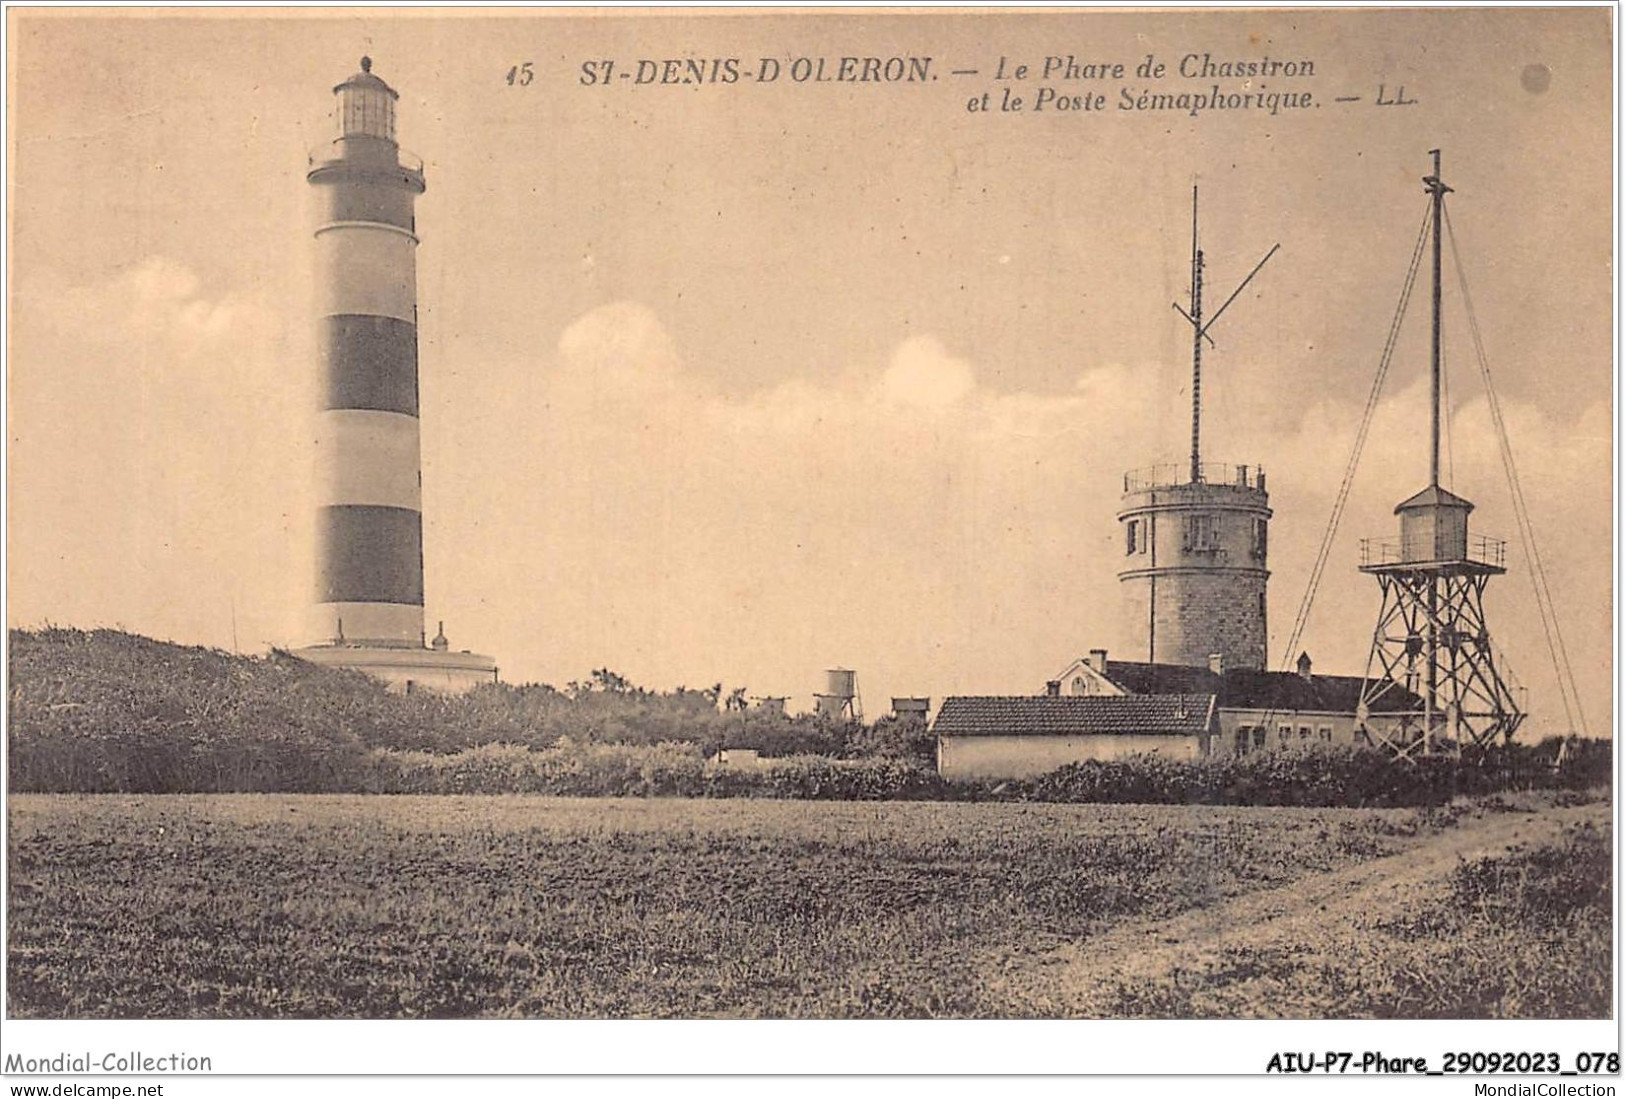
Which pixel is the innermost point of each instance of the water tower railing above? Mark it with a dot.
(1481, 550)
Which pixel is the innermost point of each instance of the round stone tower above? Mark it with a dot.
(1195, 565)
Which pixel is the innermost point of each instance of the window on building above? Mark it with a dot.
(1258, 736)
(1261, 538)
(1326, 733)
(1079, 685)
(1286, 733)
(1199, 533)
(1242, 735)
(1303, 732)
(1133, 531)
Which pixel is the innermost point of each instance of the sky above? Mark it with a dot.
(738, 382)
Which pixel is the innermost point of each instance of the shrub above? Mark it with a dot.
(627, 770)
(566, 768)
(893, 738)
(1315, 775)
(106, 711)
(819, 777)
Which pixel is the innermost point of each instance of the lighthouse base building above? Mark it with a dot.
(407, 669)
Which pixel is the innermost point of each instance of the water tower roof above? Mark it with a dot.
(1433, 497)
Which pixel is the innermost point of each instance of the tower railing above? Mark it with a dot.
(1480, 550)
(1175, 474)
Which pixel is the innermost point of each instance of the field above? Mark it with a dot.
(356, 906)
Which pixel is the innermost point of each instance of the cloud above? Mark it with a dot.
(618, 351)
(158, 471)
(923, 375)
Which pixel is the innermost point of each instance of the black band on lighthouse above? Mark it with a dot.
(353, 197)
(369, 554)
(369, 362)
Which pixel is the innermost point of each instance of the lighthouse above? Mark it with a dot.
(367, 608)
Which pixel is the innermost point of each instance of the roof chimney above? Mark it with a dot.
(1053, 688)
(1215, 663)
(1305, 666)
(1097, 660)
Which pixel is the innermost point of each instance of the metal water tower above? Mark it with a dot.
(840, 700)
(1431, 635)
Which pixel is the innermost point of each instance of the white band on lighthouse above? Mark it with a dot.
(367, 457)
(367, 269)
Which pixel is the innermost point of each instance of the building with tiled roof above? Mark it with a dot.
(1048, 715)
(1106, 709)
(1007, 736)
(1256, 709)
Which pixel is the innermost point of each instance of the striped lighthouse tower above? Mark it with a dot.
(368, 604)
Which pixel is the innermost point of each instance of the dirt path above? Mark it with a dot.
(1310, 915)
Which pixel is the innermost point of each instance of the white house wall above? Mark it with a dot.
(1322, 728)
(995, 757)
